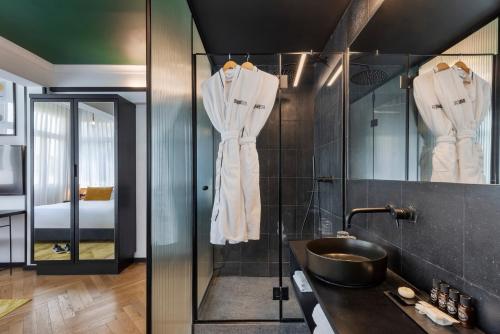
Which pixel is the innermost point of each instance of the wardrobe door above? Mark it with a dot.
(96, 180)
(52, 180)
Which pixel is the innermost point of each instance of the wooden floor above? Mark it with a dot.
(76, 304)
(97, 250)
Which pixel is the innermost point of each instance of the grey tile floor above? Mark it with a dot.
(252, 328)
(246, 298)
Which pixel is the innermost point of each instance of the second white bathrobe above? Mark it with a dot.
(466, 106)
(228, 99)
(444, 155)
(248, 154)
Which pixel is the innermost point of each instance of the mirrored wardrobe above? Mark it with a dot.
(83, 172)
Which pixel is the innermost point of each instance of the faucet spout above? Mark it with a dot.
(396, 213)
(364, 210)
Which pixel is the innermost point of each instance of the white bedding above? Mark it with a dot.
(93, 214)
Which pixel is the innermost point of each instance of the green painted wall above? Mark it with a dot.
(78, 31)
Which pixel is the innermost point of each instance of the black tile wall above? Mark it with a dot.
(328, 159)
(456, 237)
(482, 237)
(437, 237)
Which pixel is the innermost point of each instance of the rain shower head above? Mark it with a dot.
(369, 77)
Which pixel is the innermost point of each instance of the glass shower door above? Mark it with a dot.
(236, 281)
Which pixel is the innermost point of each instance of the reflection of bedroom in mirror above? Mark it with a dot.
(52, 186)
(96, 179)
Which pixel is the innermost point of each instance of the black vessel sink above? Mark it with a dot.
(347, 262)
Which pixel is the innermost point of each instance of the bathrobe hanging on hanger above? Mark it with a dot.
(228, 99)
(248, 153)
(466, 105)
(444, 155)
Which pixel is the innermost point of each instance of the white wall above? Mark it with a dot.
(14, 202)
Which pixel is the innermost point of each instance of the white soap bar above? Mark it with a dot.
(406, 292)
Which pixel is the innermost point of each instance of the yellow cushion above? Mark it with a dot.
(98, 193)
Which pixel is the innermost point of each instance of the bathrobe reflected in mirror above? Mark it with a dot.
(466, 99)
(444, 154)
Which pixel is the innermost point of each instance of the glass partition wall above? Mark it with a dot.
(238, 281)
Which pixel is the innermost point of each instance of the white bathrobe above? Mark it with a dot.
(444, 155)
(248, 153)
(228, 99)
(466, 106)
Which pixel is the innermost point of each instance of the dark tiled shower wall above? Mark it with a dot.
(261, 258)
(328, 158)
(456, 237)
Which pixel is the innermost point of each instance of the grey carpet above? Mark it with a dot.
(241, 297)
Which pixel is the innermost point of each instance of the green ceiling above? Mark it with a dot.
(78, 31)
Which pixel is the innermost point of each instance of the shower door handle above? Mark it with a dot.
(204, 188)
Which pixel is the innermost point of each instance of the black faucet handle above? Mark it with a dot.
(408, 213)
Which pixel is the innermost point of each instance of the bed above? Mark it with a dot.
(96, 220)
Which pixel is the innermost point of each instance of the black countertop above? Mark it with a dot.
(358, 311)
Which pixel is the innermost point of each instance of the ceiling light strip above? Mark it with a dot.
(300, 69)
(335, 76)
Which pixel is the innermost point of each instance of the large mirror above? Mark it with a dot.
(424, 117)
(96, 180)
(52, 182)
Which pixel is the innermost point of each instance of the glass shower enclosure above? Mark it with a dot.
(250, 281)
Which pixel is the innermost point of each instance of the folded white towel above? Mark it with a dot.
(322, 324)
(300, 280)
(435, 314)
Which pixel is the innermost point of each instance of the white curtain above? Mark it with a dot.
(96, 147)
(52, 152)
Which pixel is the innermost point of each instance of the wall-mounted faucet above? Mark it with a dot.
(409, 213)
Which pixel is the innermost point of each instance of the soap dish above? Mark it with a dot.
(403, 301)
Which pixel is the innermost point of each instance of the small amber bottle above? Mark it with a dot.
(435, 290)
(443, 296)
(466, 312)
(452, 305)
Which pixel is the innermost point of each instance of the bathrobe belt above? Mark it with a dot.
(466, 134)
(227, 135)
(248, 140)
(446, 139)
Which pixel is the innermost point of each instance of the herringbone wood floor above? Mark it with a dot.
(76, 304)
